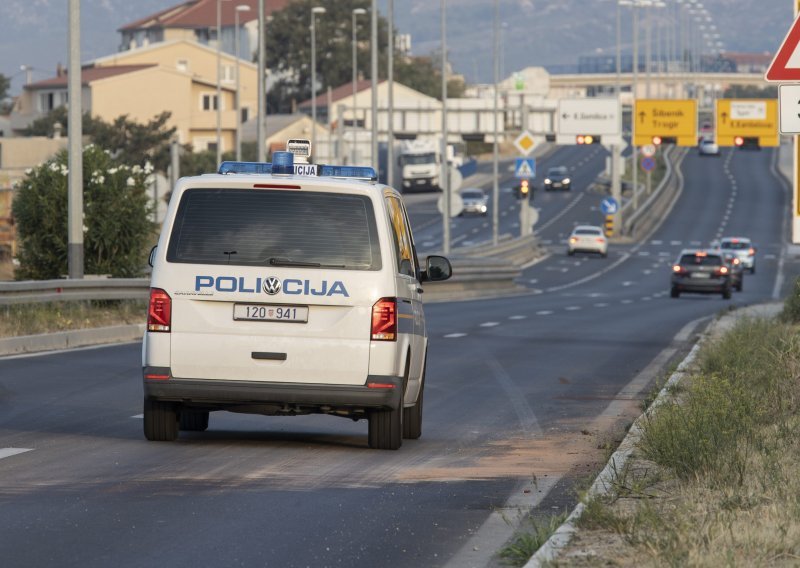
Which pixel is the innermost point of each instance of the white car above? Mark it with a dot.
(707, 147)
(475, 200)
(587, 238)
(287, 289)
(742, 247)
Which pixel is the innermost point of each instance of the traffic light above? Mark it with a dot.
(659, 140)
(587, 139)
(524, 189)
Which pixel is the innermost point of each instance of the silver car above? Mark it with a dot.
(475, 201)
(708, 147)
(742, 247)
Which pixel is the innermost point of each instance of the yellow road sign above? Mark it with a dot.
(667, 119)
(747, 118)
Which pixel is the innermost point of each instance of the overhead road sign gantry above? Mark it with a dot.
(747, 119)
(667, 119)
(785, 66)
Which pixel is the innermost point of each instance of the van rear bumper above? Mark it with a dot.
(217, 393)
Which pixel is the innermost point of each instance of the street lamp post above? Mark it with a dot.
(240, 8)
(261, 151)
(356, 12)
(314, 11)
(495, 157)
(218, 101)
(444, 175)
(373, 45)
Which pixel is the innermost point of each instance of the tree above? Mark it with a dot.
(288, 49)
(5, 84)
(116, 217)
(130, 142)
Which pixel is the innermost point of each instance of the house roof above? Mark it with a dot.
(203, 14)
(88, 75)
(341, 92)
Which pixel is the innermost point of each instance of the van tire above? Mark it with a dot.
(160, 421)
(386, 428)
(194, 421)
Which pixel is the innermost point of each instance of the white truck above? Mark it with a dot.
(420, 163)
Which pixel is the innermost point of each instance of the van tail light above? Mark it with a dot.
(384, 320)
(159, 313)
(601, 240)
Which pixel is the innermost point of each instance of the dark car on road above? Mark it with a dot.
(557, 178)
(701, 272)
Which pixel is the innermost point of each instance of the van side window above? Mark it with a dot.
(402, 238)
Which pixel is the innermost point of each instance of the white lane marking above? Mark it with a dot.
(427, 244)
(455, 335)
(490, 324)
(664, 253)
(643, 253)
(572, 308)
(601, 305)
(533, 280)
(517, 317)
(676, 243)
(544, 312)
(626, 302)
(628, 283)
(608, 268)
(770, 257)
(476, 230)
(647, 272)
(696, 243)
(485, 225)
(8, 452)
(138, 416)
(561, 213)
(657, 243)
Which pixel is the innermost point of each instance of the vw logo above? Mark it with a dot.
(272, 285)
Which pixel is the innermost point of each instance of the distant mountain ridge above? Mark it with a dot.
(537, 32)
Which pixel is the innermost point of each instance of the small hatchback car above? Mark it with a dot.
(701, 272)
(475, 201)
(587, 238)
(557, 178)
(287, 289)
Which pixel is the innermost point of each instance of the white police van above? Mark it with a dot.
(286, 289)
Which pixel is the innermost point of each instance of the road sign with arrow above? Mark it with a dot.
(747, 118)
(595, 116)
(665, 119)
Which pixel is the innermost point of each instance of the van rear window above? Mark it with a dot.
(701, 260)
(283, 228)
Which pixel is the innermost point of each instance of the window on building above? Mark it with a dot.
(209, 102)
(245, 114)
(228, 74)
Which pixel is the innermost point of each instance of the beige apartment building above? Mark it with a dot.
(176, 76)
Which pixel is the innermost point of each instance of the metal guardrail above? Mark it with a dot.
(37, 291)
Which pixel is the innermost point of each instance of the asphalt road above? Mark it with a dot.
(521, 393)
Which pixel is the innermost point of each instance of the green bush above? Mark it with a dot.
(117, 226)
(791, 306)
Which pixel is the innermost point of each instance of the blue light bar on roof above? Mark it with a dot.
(351, 172)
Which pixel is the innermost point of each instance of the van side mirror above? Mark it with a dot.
(152, 258)
(437, 268)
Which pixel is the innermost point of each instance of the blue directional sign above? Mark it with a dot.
(525, 168)
(648, 164)
(609, 206)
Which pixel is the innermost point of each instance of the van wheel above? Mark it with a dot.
(160, 421)
(386, 428)
(194, 421)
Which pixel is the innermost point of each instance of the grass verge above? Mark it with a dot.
(531, 535)
(714, 478)
(31, 319)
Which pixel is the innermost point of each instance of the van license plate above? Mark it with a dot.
(262, 312)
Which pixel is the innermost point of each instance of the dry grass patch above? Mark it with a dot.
(31, 319)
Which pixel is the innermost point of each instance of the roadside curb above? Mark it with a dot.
(70, 339)
(602, 485)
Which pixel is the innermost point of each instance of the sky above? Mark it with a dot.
(535, 32)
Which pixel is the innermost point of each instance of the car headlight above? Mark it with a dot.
(566, 180)
(483, 208)
(547, 180)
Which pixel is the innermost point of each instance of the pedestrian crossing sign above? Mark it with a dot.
(525, 168)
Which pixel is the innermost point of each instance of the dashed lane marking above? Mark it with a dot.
(490, 324)
(572, 308)
(455, 335)
(138, 416)
(544, 313)
(601, 305)
(8, 452)
(517, 317)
